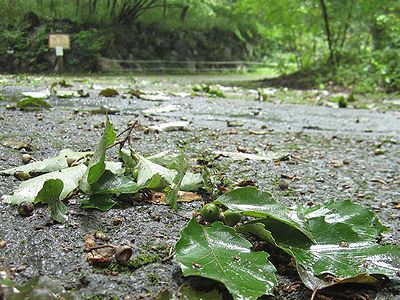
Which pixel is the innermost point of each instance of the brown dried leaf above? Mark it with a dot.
(100, 255)
(159, 198)
(89, 242)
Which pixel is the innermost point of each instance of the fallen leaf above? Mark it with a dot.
(100, 255)
(218, 252)
(61, 161)
(160, 198)
(108, 92)
(41, 94)
(17, 145)
(29, 189)
(89, 242)
(31, 104)
(104, 110)
(161, 109)
(170, 126)
(336, 164)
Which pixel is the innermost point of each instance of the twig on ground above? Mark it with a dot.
(122, 142)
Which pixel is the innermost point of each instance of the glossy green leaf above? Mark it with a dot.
(330, 217)
(29, 189)
(97, 164)
(48, 165)
(349, 260)
(103, 202)
(50, 194)
(110, 183)
(218, 253)
(255, 203)
(345, 245)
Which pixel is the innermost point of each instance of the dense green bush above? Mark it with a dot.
(87, 47)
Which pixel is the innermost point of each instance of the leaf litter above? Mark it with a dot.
(55, 179)
(349, 253)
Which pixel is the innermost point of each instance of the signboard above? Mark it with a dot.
(59, 51)
(59, 40)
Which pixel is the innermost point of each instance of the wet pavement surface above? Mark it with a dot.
(329, 153)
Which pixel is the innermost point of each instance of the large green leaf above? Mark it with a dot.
(218, 253)
(165, 158)
(103, 202)
(330, 217)
(148, 169)
(344, 248)
(255, 203)
(97, 164)
(349, 260)
(48, 165)
(110, 183)
(29, 189)
(164, 176)
(50, 194)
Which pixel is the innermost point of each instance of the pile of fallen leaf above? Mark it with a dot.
(329, 243)
(105, 183)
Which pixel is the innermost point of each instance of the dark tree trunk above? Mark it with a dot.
(332, 56)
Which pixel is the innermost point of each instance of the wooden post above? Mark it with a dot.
(60, 59)
(59, 42)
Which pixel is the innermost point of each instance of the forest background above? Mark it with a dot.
(349, 43)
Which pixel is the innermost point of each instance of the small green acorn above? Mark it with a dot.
(21, 175)
(231, 218)
(211, 213)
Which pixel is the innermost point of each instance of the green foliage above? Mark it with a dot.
(87, 48)
(351, 43)
(330, 243)
(97, 164)
(217, 252)
(102, 181)
(50, 194)
(31, 104)
(29, 189)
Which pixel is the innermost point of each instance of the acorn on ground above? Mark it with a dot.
(211, 213)
(231, 218)
(25, 209)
